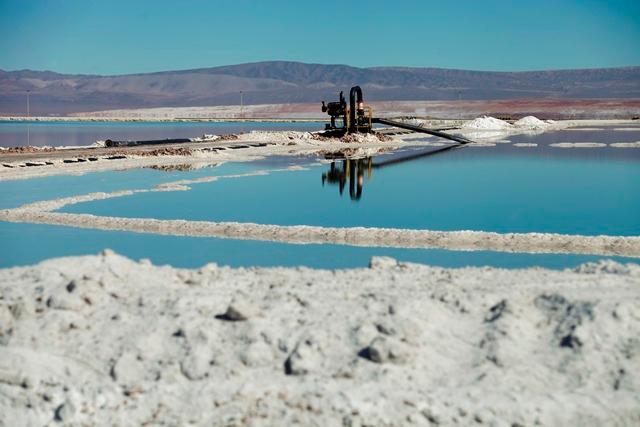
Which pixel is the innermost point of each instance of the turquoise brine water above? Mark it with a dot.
(20, 192)
(501, 188)
(461, 190)
(39, 133)
(32, 243)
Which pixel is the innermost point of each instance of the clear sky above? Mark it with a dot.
(129, 36)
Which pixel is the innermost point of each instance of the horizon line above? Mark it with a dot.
(182, 70)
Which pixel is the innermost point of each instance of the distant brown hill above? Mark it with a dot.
(294, 82)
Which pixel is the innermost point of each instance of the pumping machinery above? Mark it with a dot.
(356, 117)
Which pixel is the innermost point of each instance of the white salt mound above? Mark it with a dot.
(531, 122)
(97, 144)
(283, 136)
(487, 123)
(491, 123)
(206, 137)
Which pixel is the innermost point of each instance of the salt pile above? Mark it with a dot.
(531, 122)
(97, 144)
(361, 138)
(487, 123)
(490, 127)
(282, 136)
(205, 138)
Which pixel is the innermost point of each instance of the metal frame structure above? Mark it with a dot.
(358, 118)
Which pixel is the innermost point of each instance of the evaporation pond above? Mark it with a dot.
(53, 133)
(20, 192)
(465, 189)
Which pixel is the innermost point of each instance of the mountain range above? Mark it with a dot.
(277, 82)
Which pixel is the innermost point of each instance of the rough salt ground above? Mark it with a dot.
(101, 339)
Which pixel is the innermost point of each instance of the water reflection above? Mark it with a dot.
(354, 170)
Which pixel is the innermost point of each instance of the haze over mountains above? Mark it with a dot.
(294, 82)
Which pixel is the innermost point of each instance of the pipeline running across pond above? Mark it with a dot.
(459, 139)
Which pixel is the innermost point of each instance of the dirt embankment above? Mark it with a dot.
(27, 149)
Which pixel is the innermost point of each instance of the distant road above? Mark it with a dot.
(310, 112)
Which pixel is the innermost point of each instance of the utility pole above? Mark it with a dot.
(241, 112)
(28, 115)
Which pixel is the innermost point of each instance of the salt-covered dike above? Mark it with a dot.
(31, 162)
(103, 340)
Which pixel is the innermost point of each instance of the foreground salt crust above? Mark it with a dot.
(102, 339)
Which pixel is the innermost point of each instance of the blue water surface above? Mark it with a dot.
(502, 188)
(32, 243)
(18, 192)
(465, 190)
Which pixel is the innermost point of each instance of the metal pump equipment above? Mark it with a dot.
(358, 118)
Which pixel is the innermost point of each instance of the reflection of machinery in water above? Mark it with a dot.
(352, 170)
(358, 118)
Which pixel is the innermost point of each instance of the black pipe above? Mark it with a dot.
(111, 143)
(356, 179)
(388, 122)
(355, 92)
(421, 154)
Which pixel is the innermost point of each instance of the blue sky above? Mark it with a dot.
(130, 36)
